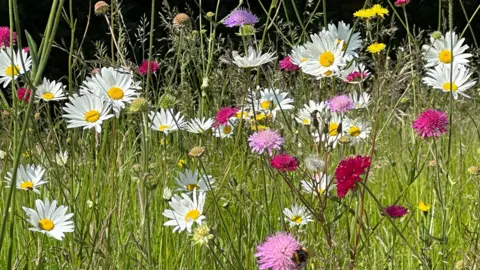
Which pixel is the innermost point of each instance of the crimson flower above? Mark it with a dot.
(348, 173)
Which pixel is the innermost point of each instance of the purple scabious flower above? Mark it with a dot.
(240, 17)
(431, 123)
(341, 104)
(265, 140)
(5, 36)
(396, 211)
(277, 251)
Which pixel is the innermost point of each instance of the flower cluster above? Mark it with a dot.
(348, 173)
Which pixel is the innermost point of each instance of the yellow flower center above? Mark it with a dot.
(27, 185)
(303, 59)
(115, 93)
(445, 56)
(320, 190)
(297, 219)
(192, 215)
(163, 127)
(266, 104)
(241, 115)
(326, 59)
(227, 129)
(306, 121)
(47, 95)
(92, 116)
(354, 131)
(328, 73)
(191, 187)
(333, 129)
(259, 116)
(46, 224)
(344, 45)
(12, 71)
(447, 86)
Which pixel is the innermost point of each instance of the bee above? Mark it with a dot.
(301, 256)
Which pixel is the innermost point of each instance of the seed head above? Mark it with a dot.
(101, 7)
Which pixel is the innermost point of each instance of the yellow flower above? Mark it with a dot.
(473, 170)
(181, 162)
(379, 10)
(365, 13)
(258, 127)
(376, 47)
(423, 207)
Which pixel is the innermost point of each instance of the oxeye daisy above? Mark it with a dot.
(376, 47)
(317, 184)
(240, 17)
(186, 211)
(333, 130)
(445, 50)
(355, 73)
(87, 111)
(304, 116)
(191, 180)
(28, 178)
(266, 140)
(271, 102)
(164, 121)
(115, 86)
(49, 219)
(431, 123)
(356, 130)
(13, 67)
(361, 100)
(297, 215)
(325, 55)
(224, 130)
(252, 58)
(278, 252)
(298, 55)
(50, 91)
(350, 40)
(439, 78)
(198, 125)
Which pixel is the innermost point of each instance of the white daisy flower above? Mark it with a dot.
(87, 111)
(252, 58)
(13, 67)
(350, 40)
(297, 216)
(361, 100)
(185, 211)
(113, 85)
(298, 54)
(335, 125)
(50, 91)
(49, 219)
(355, 73)
(318, 183)
(439, 78)
(271, 101)
(446, 49)
(165, 122)
(224, 130)
(191, 180)
(198, 125)
(356, 130)
(325, 55)
(304, 116)
(28, 178)
(167, 194)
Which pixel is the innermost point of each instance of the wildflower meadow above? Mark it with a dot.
(246, 140)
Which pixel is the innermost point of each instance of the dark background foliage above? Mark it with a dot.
(34, 15)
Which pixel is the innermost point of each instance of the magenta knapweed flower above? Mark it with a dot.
(143, 68)
(265, 140)
(23, 94)
(356, 76)
(431, 123)
(277, 252)
(396, 211)
(341, 103)
(400, 3)
(26, 49)
(348, 173)
(287, 65)
(5, 36)
(224, 114)
(284, 162)
(240, 17)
